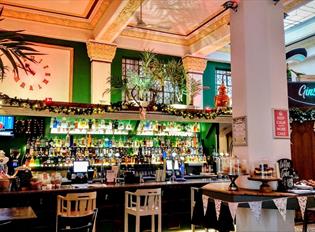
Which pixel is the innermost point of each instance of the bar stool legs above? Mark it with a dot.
(126, 222)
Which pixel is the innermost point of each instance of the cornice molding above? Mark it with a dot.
(101, 51)
(121, 21)
(45, 19)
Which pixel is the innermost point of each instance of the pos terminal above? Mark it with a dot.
(80, 173)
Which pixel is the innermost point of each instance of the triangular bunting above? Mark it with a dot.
(302, 203)
(205, 203)
(233, 207)
(281, 204)
(217, 207)
(255, 207)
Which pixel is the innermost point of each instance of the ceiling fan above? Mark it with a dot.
(142, 24)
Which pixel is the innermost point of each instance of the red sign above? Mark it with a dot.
(280, 123)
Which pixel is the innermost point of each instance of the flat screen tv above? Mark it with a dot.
(6, 125)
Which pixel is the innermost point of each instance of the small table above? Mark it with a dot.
(16, 213)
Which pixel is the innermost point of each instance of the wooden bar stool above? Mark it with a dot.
(76, 205)
(143, 202)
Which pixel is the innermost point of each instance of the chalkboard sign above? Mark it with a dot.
(286, 174)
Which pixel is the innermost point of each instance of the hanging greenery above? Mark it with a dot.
(96, 109)
(299, 115)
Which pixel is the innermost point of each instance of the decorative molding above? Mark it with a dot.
(10, 13)
(46, 19)
(101, 51)
(121, 21)
(138, 34)
(194, 64)
(293, 4)
(212, 28)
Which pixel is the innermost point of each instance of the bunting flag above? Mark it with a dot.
(302, 203)
(217, 207)
(255, 207)
(233, 207)
(205, 203)
(281, 204)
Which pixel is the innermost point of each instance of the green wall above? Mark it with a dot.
(81, 67)
(209, 80)
(116, 68)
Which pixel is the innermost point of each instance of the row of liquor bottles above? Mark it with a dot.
(101, 126)
(111, 141)
(64, 156)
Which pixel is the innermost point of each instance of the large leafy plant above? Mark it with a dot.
(15, 49)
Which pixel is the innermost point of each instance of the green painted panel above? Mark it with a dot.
(209, 80)
(81, 67)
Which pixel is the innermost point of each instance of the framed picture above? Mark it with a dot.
(50, 76)
(280, 124)
(239, 130)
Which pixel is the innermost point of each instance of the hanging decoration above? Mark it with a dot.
(281, 204)
(233, 208)
(217, 207)
(89, 109)
(205, 203)
(255, 207)
(302, 203)
(299, 115)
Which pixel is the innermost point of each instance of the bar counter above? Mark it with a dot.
(110, 203)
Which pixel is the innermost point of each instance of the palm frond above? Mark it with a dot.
(16, 50)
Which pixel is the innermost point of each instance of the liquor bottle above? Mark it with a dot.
(67, 143)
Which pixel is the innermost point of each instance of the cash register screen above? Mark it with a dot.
(80, 166)
(169, 165)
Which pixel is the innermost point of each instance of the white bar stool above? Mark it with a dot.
(143, 202)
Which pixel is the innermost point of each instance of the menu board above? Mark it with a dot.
(280, 123)
(239, 130)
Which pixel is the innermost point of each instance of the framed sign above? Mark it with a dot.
(239, 130)
(280, 121)
(50, 76)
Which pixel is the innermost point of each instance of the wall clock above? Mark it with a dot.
(36, 76)
(50, 76)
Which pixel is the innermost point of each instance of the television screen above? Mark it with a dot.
(80, 166)
(6, 125)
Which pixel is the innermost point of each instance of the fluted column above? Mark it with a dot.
(101, 56)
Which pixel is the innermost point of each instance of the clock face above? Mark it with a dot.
(36, 75)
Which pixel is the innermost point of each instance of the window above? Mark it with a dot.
(166, 95)
(224, 76)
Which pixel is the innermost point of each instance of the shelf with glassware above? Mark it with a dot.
(134, 145)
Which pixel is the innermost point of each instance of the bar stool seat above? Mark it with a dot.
(143, 202)
(76, 205)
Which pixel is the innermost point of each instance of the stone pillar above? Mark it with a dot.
(194, 67)
(259, 77)
(101, 56)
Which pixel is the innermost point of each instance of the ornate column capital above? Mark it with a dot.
(101, 51)
(194, 64)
